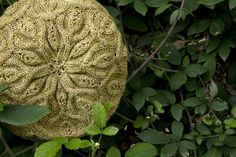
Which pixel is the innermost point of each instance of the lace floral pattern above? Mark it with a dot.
(66, 55)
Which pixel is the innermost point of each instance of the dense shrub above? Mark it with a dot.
(181, 94)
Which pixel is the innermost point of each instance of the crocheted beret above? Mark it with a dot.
(67, 55)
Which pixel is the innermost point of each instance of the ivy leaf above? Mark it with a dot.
(177, 80)
(193, 70)
(177, 129)
(99, 115)
(219, 106)
(113, 152)
(124, 2)
(154, 137)
(233, 111)
(142, 150)
(110, 131)
(213, 89)
(49, 149)
(23, 114)
(217, 26)
(230, 141)
(93, 130)
(209, 2)
(140, 7)
(169, 150)
(198, 27)
(176, 111)
(192, 102)
(232, 4)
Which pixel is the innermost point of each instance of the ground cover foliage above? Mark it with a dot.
(180, 99)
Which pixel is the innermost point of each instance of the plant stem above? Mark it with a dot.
(159, 47)
(189, 118)
(7, 148)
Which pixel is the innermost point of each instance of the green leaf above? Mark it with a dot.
(213, 43)
(85, 144)
(135, 23)
(140, 7)
(203, 129)
(156, 3)
(209, 2)
(23, 114)
(217, 26)
(177, 129)
(169, 150)
(177, 80)
(232, 4)
(76, 143)
(138, 100)
(73, 144)
(99, 115)
(224, 51)
(191, 6)
(233, 111)
(1, 106)
(213, 89)
(214, 152)
(192, 102)
(198, 27)
(218, 106)
(210, 65)
(48, 149)
(154, 137)
(165, 97)
(112, 11)
(2, 88)
(93, 130)
(139, 121)
(162, 8)
(176, 111)
(230, 141)
(124, 2)
(110, 131)
(193, 70)
(142, 150)
(113, 152)
(184, 146)
(175, 15)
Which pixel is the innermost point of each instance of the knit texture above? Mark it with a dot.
(67, 55)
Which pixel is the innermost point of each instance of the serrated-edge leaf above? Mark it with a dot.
(110, 131)
(93, 130)
(99, 115)
(48, 149)
(73, 144)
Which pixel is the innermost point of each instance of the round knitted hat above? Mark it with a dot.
(67, 55)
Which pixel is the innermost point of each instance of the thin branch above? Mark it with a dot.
(7, 148)
(129, 120)
(159, 47)
(189, 118)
